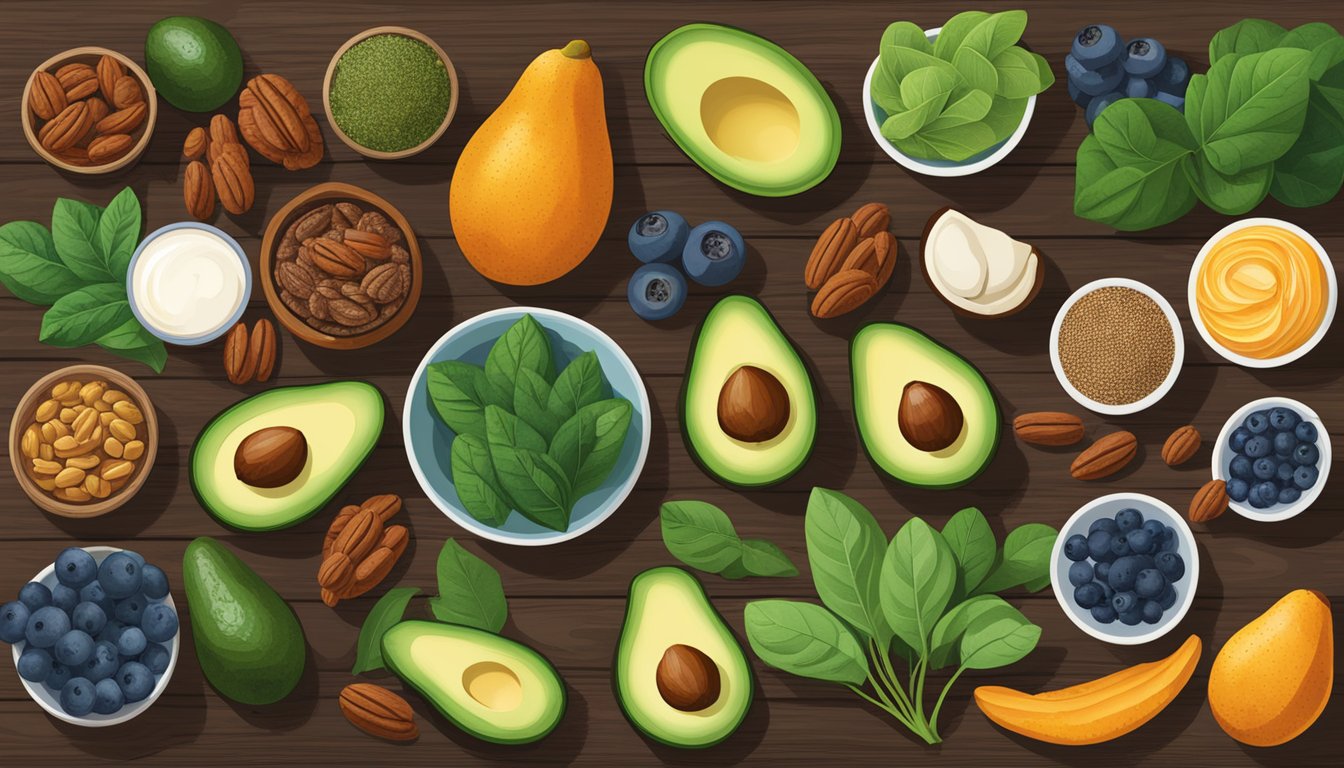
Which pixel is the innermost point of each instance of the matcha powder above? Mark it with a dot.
(390, 92)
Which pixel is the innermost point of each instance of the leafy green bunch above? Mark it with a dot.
(528, 438)
(927, 597)
(1267, 118)
(961, 94)
(702, 536)
(78, 268)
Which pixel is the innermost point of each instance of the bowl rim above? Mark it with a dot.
(465, 520)
(965, 167)
(23, 414)
(1332, 293)
(194, 341)
(1220, 459)
(404, 32)
(334, 190)
(1169, 621)
(1177, 360)
(151, 115)
(127, 712)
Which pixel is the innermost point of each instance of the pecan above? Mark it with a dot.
(105, 149)
(296, 305)
(843, 292)
(338, 524)
(98, 109)
(1105, 457)
(1181, 446)
(400, 255)
(194, 145)
(385, 282)
(319, 301)
(78, 80)
(304, 255)
(278, 110)
(863, 257)
(1209, 502)
(335, 234)
(353, 292)
(830, 251)
(871, 218)
(373, 221)
(46, 97)
(336, 259)
(349, 214)
(232, 174)
(378, 712)
(350, 313)
(370, 245)
(236, 359)
(222, 132)
(336, 572)
(295, 278)
(109, 71)
(262, 348)
(198, 191)
(126, 92)
(123, 120)
(289, 248)
(313, 223)
(1048, 428)
(74, 156)
(63, 131)
(360, 536)
(384, 505)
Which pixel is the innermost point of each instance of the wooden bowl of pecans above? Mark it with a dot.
(341, 267)
(83, 440)
(89, 110)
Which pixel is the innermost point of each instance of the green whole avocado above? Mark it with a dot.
(194, 63)
(249, 643)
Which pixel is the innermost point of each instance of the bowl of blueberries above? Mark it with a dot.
(1274, 454)
(1125, 568)
(95, 635)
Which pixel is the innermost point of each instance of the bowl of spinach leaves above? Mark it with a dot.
(526, 426)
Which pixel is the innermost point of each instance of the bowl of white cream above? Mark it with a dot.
(189, 283)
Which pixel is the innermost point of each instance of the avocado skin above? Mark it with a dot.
(249, 643)
(200, 84)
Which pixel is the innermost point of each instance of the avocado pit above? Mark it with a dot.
(929, 417)
(753, 405)
(688, 680)
(271, 457)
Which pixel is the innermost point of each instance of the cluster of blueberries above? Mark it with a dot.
(1103, 69)
(712, 254)
(1125, 568)
(1274, 458)
(98, 637)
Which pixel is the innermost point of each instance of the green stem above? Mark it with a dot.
(921, 670)
(887, 675)
(885, 707)
(933, 721)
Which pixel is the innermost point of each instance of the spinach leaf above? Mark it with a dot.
(965, 105)
(1230, 194)
(119, 232)
(906, 34)
(945, 642)
(460, 392)
(700, 535)
(924, 92)
(1003, 117)
(132, 341)
(1143, 133)
(74, 230)
(805, 640)
(1248, 110)
(969, 537)
(29, 266)
(955, 31)
(959, 142)
(470, 591)
(589, 443)
(474, 477)
(886, 91)
(976, 71)
(1147, 193)
(997, 639)
(1324, 43)
(538, 487)
(763, 558)
(523, 345)
(1025, 558)
(995, 34)
(83, 316)
(1312, 171)
(1246, 36)
(918, 576)
(580, 383)
(1019, 74)
(385, 613)
(845, 547)
(529, 403)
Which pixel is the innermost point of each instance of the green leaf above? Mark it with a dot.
(1025, 558)
(523, 345)
(971, 540)
(945, 642)
(580, 383)
(1004, 116)
(918, 576)
(886, 91)
(130, 340)
(925, 92)
(384, 614)
(1248, 110)
(977, 71)
(1019, 74)
(965, 105)
(898, 63)
(119, 232)
(995, 640)
(1312, 171)
(1038, 584)
(805, 640)
(83, 316)
(470, 590)
(1321, 39)
(845, 548)
(74, 230)
(1126, 197)
(29, 266)
(1044, 74)
(474, 478)
(995, 34)
(588, 445)
(959, 142)
(1228, 194)
(538, 487)
(1246, 36)
(763, 558)
(700, 535)
(529, 403)
(955, 31)
(905, 34)
(1143, 133)
(459, 392)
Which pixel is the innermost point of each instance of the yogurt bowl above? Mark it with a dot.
(188, 283)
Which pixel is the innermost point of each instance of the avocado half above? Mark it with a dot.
(743, 109)
(340, 421)
(884, 359)
(739, 331)
(491, 687)
(667, 606)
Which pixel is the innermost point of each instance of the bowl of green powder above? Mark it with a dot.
(390, 92)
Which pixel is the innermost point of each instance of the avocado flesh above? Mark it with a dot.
(667, 606)
(249, 643)
(489, 686)
(739, 331)
(340, 420)
(743, 109)
(884, 358)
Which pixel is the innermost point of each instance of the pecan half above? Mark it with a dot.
(278, 110)
(1108, 455)
(195, 143)
(236, 363)
(198, 191)
(109, 70)
(843, 292)
(126, 92)
(295, 278)
(350, 313)
(262, 348)
(871, 218)
(1048, 428)
(46, 97)
(336, 259)
(1181, 446)
(78, 80)
(296, 305)
(370, 245)
(63, 131)
(378, 712)
(222, 133)
(105, 149)
(349, 214)
(98, 109)
(373, 221)
(123, 120)
(232, 174)
(830, 251)
(313, 223)
(385, 283)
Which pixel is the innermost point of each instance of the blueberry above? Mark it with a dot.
(1123, 573)
(1268, 492)
(1106, 524)
(136, 556)
(1088, 595)
(64, 597)
(1264, 468)
(1257, 423)
(131, 642)
(1306, 454)
(1144, 57)
(1075, 93)
(1132, 618)
(1094, 82)
(1237, 441)
(1103, 613)
(1256, 500)
(34, 664)
(88, 617)
(103, 663)
(120, 575)
(1099, 545)
(1283, 419)
(1171, 565)
(1283, 473)
(1100, 103)
(35, 595)
(1129, 519)
(13, 621)
(1096, 45)
(129, 610)
(1173, 78)
(74, 648)
(714, 254)
(1152, 611)
(107, 696)
(1080, 573)
(1289, 495)
(59, 675)
(154, 582)
(1305, 477)
(1124, 601)
(1138, 88)
(1237, 489)
(136, 681)
(1241, 468)
(1102, 571)
(1106, 591)
(1284, 443)
(1306, 432)
(93, 592)
(1075, 548)
(1258, 447)
(156, 657)
(159, 622)
(77, 697)
(46, 625)
(1167, 598)
(1141, 542)
(111, 632)
(1155, 528)
(75, 567)
(1120, 546)
(656, 291)
(1169, 537)
(1150, 583)
(658, 236)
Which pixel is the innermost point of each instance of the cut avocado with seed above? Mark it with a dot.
(743, 109)
(489, 686)
(274, 459)
(748, 409)
(926, 416)
(681, 676)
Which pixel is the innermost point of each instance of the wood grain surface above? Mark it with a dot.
(568, 601)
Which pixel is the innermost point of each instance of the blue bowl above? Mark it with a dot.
(428, 439)
(193, 341)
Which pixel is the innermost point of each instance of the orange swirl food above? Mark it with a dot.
(1262, 292)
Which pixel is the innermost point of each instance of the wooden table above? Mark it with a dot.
(568, 601)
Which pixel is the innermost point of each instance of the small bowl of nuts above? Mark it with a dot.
(341, 267)
(89, 110)
(83, 440)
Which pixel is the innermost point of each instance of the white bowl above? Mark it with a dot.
(944, 168)
(1115, 632)
(51, 701)
(1222, 458)
(1332, 298)
(1177, 359)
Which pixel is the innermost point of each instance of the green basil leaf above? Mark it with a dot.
(523, 345)
(971, 540)
(74, 230)
(384, 614)
(1312, 171)
(995, 639)
(845, 549)
(976, 71)
(955, 31)
(529, 403)
(459, 392)
(700, 535)
(965, 105)
(1126, 197)
(1246, 36)
(805, 640)
(734, 571)
(29, 266)
(1230, 194)
(119, 232)
(1249, 109)
(995, 34)
(538, 487)
(82, 317)
(580, 383)
(470, 590)
(905, 34)
(130, 340)
(474, 478)
(1025, 558)
(1019, 74)
(763, 558)
(945, 642)
(918, 576)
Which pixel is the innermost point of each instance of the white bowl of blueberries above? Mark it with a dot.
(95, 635)
(1125, 568)
(1274, 454)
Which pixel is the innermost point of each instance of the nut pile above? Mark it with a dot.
(86, 115)
(226, 171)
(275, 121)
(360, 549)
(852, 260)
(250, 357)
(84, 441)
(1116, 345)
(343, 269)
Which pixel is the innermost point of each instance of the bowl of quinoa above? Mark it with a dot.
(1116, 346)
(390, 92)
